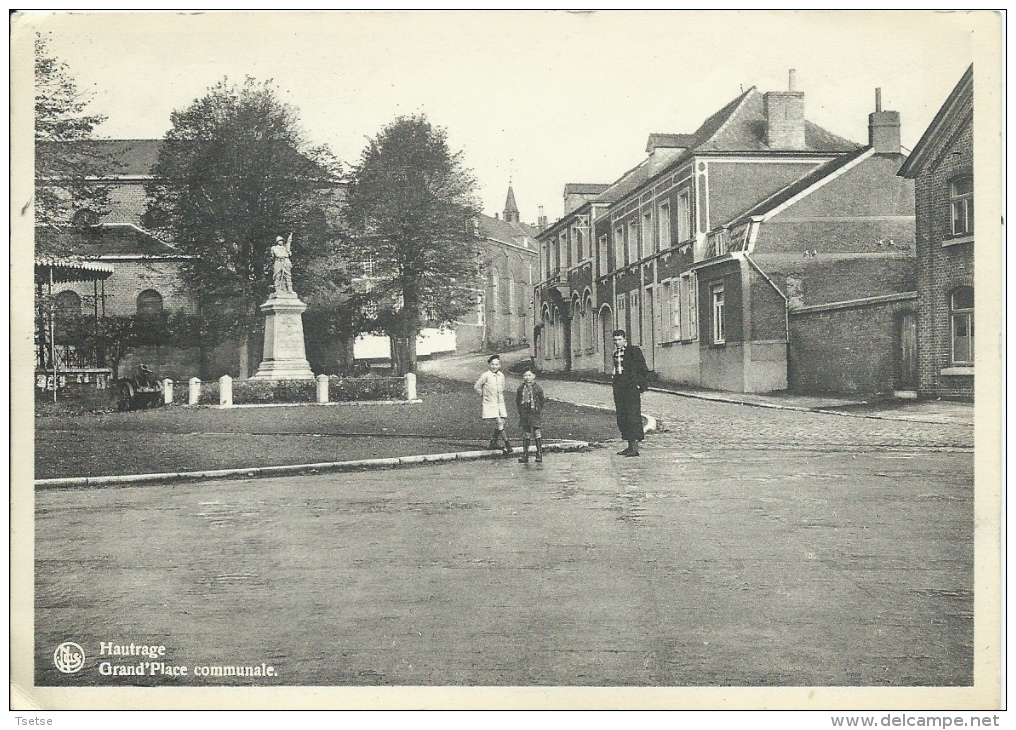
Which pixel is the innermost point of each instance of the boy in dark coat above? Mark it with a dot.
(529, 399)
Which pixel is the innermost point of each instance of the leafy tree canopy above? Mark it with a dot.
(409, 201)
(62, 160)
(233, 173)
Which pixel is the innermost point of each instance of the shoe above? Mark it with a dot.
(507, 448)
(626, 452)
(630, 453)
(492, 446)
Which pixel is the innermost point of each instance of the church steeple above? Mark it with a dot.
(511, 210)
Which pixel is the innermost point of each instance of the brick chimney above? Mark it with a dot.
(883, 129)
(541, 220)
(784, 113)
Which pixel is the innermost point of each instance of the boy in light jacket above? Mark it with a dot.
(491, 387)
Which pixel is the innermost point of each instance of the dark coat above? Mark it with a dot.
(636, 372)
(628, 389)
(530, 417)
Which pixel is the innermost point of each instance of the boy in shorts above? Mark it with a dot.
(529, 399)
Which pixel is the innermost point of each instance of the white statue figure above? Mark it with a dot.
(282, 267)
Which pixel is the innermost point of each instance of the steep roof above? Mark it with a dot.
(639, 174)
(585, 188)
(505, 232)
(510, 205)
(658, 139)
(103, 240)
(738, 126)
(137, 157)
(132, 157)
(741, 127)
(957, 107)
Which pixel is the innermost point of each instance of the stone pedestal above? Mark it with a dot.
(285, 356)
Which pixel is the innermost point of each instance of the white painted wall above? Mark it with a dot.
(430, 341)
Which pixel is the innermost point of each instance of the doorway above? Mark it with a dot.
(607, 330)
(648, 328)
(906, 353)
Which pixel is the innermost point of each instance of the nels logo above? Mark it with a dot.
(69, 658)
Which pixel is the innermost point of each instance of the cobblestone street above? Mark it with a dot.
(747, 547)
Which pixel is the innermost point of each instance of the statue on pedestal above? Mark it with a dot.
(282, 266)
(285, 354)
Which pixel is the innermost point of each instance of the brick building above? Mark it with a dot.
(502, 319)
(570, 336)
(145, 280)
(721, 244)
(147, 271)
(942, 167)
(509, 265)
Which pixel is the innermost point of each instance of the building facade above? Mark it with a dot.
(148, 271)
(508, 256)
(704, 250)
(942, 167)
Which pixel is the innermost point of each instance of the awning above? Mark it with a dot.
(63, 270)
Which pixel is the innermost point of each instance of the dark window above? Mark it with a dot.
(961, 320)
(149, 303)
(85, 219)
(961, 205)
(67, 303)
(718, 302)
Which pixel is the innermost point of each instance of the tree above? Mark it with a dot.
(408, 204)
(233, 173)
(62, 160)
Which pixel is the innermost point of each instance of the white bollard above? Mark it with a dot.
(193, 391)
(322, 388)
(225, 391)
(167, 391)
(410, 386)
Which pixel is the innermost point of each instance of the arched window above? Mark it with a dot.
(555, 326)
(546, 334)
(67, 304)
(85, 219)
(149, 303)
(961, 320)
(576, 326)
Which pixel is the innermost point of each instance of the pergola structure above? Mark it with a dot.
(53, 270)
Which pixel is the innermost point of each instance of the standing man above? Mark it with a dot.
(631, 379)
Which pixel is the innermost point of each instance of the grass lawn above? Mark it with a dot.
(176, 438)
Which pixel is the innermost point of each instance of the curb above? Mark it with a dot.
(650, 425)
(565, 446)
(826, 410)
(291, 405)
